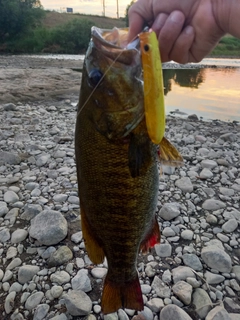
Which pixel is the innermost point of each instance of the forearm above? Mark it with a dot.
(227, 15)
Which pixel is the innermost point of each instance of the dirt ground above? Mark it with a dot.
(30, 78)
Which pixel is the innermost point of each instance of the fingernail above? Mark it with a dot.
(177, 17)
(189, 30)
(159, 22)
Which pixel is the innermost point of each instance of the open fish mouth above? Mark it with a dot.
(113, 44)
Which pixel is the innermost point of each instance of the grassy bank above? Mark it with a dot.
(59, 33)
(70, 33)
(228, 47)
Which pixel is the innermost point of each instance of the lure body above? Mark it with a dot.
(153, 86)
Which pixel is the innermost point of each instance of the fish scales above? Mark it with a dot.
(117, 175)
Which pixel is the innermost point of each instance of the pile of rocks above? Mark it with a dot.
(45, 272)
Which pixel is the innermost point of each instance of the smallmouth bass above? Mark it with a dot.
(116, 165)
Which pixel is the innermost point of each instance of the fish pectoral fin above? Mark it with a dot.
(169, 155)
(139, 155)
(153, 237)
(121, 295)
(95, 252)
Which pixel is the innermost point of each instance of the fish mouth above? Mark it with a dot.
(114, 45)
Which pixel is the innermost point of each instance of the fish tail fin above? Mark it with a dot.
(95, 252)
(124, 295)
(153, 237)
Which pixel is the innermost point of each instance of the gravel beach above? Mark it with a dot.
(45, 272)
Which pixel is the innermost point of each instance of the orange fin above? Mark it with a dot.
(124, 295)
(153, 237)
(95, 252)
(169, 155)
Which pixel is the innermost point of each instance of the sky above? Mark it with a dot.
(89, 6)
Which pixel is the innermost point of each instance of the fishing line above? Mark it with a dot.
(94, 89)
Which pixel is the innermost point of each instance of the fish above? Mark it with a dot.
(117, 171)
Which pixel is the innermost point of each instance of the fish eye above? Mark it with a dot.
(146, 47)
(95, 77)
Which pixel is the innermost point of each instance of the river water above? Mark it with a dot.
(212, 92)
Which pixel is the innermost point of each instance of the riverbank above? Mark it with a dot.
(45, 272)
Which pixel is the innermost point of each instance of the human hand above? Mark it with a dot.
(187, 30)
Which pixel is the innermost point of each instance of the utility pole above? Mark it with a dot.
(117, 10)
(104, 8)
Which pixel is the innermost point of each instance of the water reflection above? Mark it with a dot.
(212, 93)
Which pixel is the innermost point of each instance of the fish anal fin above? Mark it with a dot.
(169, 155)
(121, 295)
(153, 237)
(95, 252)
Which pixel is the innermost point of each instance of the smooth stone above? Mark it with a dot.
(30, 211)
(202, 302)
(182, 273)
(73, 200)
(209, 164)
(9, 158)
(48, 227)
(187, 234)
(81, 281)
(183, 291)
(184, 184)
(19, 235)
(62, 255)
(60, 277)
(226, 191)
(3, 208)
(146, 313)
(56, 291)
(155, 304)
(34, 300)
(10, 197)
(169, 211)
(172, 311)
(41, 311)
(163, 250)
(60, 197)
(11, 253)
(218, 313)
(27, 272)
(212, 204)
(168, 232)
(78, 303)
(213, 278)
(192, 261)
(230, 226)
(77, 237)
(17, 287)
(206, 174)
(161, 289)
(16, 262)
(9, 302)
(7, 276)
(4, 235)
(99, 273)
(236, 271)
(216, 258)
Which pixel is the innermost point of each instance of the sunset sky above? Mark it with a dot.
(89, 6)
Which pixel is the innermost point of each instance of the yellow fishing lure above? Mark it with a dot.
(153, 86)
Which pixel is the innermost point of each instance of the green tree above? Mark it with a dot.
(126, 12)
(18, 16)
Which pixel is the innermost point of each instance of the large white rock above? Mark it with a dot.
(48, 227)
(216, 258)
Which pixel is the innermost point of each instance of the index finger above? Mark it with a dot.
(136, 23)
